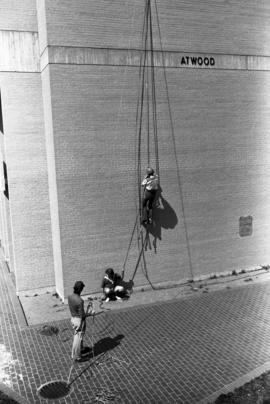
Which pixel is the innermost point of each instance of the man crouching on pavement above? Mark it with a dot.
(78, 317)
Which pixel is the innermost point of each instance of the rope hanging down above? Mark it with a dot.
(139, 115)
(146, 105)
(147, 76)
(148, 97)
(148, 92)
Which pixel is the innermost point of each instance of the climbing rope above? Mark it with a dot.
(139, 123)
(148, 92)
(154, 106)
(144, 92)
(129, 246)
(147, 79)
(141, 107)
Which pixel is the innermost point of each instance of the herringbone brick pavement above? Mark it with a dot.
(172, 352)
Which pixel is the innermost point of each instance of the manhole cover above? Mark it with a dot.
(54, 389)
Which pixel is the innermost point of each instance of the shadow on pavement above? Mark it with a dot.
(107, 344)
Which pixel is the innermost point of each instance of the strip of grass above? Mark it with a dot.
(257, 391)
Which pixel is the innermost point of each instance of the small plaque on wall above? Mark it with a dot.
(245, 226)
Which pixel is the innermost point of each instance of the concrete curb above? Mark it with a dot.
(237, 383)
(44, 309)
(12, 394)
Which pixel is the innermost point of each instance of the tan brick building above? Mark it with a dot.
(70, 84)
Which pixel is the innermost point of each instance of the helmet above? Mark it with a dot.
(150, 171)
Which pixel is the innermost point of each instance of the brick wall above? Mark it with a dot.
(27, 175)
(26, 215)
(96, 177)
(18, 16)
(213, 152)
(234, 27)
(220, 127)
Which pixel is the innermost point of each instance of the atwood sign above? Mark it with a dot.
(202, 61)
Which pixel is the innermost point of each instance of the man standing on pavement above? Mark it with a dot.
(78, 319)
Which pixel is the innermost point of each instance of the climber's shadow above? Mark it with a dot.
(164, 217)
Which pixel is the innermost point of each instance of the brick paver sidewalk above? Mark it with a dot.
(179, 351)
